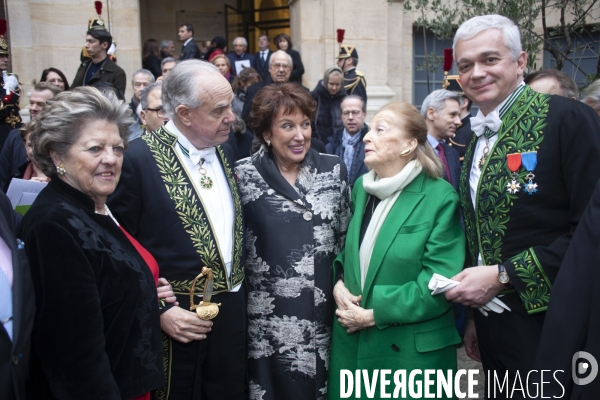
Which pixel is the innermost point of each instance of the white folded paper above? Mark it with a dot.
(439, 284)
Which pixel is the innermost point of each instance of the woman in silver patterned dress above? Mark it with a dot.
(296, 209)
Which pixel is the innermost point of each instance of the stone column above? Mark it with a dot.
(376, 28)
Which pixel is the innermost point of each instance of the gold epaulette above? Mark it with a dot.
(458, 144)
(358, 73)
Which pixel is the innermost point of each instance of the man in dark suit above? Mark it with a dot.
(99, 67)
(463, 134)
(262, 57)
(280, 70)
(441, 110)
(240, 45)
(190, 48)
(179, 198)
(16, 308)
(347, 143)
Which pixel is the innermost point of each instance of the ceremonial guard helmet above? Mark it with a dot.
(347, 51)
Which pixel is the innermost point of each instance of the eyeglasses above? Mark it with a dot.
(160, 112)
(140, 85)
(279, 65)
(355, 113)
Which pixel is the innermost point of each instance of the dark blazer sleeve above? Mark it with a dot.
(298, 69)
(578, 151)
(186, 52)
(120, 80)
(79, 77)
(573, 305)
(190, 51)
(68, 330)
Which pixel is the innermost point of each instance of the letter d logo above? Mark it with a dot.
(590, 364)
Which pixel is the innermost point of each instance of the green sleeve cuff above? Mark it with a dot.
(530, 281)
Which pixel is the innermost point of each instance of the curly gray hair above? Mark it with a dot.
(58, 126)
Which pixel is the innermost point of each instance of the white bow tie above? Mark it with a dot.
(479, 122)
(207, 154)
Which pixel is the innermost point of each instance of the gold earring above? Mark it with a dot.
(269, 143)
(60, 169)
(405, 153)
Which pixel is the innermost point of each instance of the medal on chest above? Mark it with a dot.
(529, 161)
(514, 163)
(206, 181)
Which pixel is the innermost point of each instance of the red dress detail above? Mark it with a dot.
(153, 265)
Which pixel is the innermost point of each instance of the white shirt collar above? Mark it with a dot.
(187, 41)
(195, 155)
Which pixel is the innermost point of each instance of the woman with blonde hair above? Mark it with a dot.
(224, 66)
(404, 229)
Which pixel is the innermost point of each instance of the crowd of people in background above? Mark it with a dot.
(315, 232)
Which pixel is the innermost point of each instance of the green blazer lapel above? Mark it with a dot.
(405, 204)
(353, 235)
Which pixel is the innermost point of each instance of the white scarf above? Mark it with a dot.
(387, 190)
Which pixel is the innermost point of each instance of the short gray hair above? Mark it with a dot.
(167, 60)
(354, 97)
(60, 123)
(510, 32)
(143, 72)
(437, 100)
(165, 43)
(181, 85)
(281, 52)
(146, 92)
(243, 39)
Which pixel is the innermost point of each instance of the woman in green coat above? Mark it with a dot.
(405, 228)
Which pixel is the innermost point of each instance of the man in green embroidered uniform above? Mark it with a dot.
(525, 183)
(179, 198)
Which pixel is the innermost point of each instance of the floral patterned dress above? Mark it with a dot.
(293, 234)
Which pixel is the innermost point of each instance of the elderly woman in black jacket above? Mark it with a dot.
(329, 94)
(96, 331)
